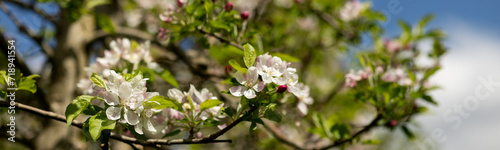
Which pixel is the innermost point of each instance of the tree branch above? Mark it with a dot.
(355, 135)
(223, 40)
(126, 139)
(280, 136)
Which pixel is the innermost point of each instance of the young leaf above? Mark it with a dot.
(407, 132)
(76, 107)
(160, 102)
(249, 55)
(169, 78)
(286, 57)
(97, 80)
(100, 122)
(28, 83)
(105, 23)
(237, 66)
(172, 133)
(272, 115)
(209, 104)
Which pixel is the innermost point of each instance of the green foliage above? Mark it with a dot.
(169, 78)
(78, 105)
(249, 55)
(98, 123)
(207, 104)
(104, 21)
(160, 102)
(97, 80)
(237, 66)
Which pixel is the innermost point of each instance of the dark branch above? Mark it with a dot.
(126, 139)
(355, 135)
(280, 136)
(223, 40)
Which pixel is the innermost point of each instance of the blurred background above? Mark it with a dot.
(473, 39)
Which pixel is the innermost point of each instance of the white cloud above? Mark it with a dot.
(473, 53)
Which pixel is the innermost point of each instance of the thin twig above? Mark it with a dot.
(223, 40)
(280, 136)
(355, 135)
(126, 139)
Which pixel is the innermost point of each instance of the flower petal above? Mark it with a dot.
(240, 77)
(250, 94)
(259, 86)
(113, 113)
(302, 108)
(252, 75)
(131, 117)
(125, 90)
(138, 129)
(237, 90)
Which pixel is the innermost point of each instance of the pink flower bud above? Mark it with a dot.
(229, 6)
(282, 89)
(244, 15)
(392, 123)
(180, 3)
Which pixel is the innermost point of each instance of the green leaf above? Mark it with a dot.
(371, 142)
(169, 78)
(237, 66)
(91, 110)
(97, 80)
(100, 122)
(271, 113)
(209, 104)
(249, 55)
(172, 133)
(286, 57)
(94, 3)
(407, 132)
(429, 99)
(76, 107)
(28, 83)
(160, 102)
(104, 21)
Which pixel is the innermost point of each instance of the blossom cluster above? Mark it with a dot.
(272, 70)
(352, 10)
(397, 75)
(125, 99)
(122, 53)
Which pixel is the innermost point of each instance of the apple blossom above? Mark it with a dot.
(393, 46)
(249, 84)
(269, 67)
(351, 10)
(302, 93)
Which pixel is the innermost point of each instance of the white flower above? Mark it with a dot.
(393, 46)
(393, 75)
(351, 10)
(270, 67)
(302, 93)
(199, 97)
(351, 79)
(249, 82)
(289, 78)
(125, 96)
